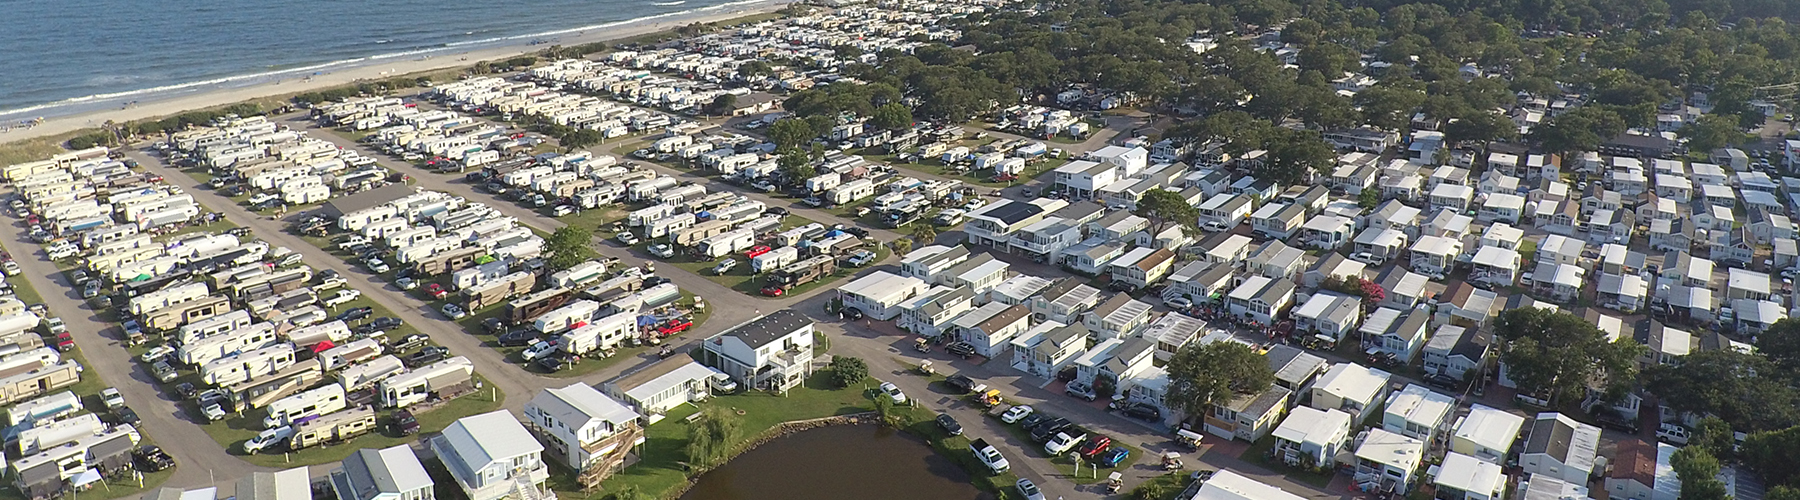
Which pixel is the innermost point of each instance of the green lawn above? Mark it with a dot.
(22, 288)
(233, 431)
(597, 220)
(660, 469)
(1164, 487)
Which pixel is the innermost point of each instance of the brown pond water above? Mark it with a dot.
(863, 462)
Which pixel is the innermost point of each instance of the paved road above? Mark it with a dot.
(197, 456)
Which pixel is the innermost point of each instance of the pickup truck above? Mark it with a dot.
(990, 456)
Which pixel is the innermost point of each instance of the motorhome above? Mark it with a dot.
(529, 307)
(167, 297)
(31, 384)
(850, 191)
(495, 291)
(358, 377)
(47, 408)
(443, 377)
(187, 312)
(325, 399)
(263, 391)
(665, 226)
(52, 434)
(691, 235)
(724, 244)
(579, 274)
(18, 322)
(333, 331)
(774, 259)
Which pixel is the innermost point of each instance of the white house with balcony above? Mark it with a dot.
(930, 313)
(1376, 246)
(1434, 255)
(1065, 301)
(1228, 209)
(1047, 238)
(1327, 232)
(1046, 348)
(392, 473)
(1311, 437)
(1227, 249)
(1351, 388)
(1418, 412)
(1173, 331)
(1330, 314)
(931, 260)
(1278, 220)
(1261, 299)
(993, 224)
(1275, 259)
(582, 428)
(991, 327)
(772, 352)
(1388, 460)
(492, 456)
(1454, 351)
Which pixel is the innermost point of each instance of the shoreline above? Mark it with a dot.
(176, 103)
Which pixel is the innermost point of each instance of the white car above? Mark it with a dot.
(377, 266)
(330, 283)
(112, 398)
(893, 392)
(1063, 442)
(406, 283)
(1672, 434)
(628, 238)
(725, 266)
(343, 297)
(1214, 226)
(156, 354)
(662, 250)
(1179, 303)
(454, 311)
(1028, 490)
(1015, 413)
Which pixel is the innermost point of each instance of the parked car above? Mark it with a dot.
(516, 338)
(356, 314)
(540, 349)
(1112, 457)
(893, 392)
(1672, 434)
(1063, 441)
(436, 291)
(1080, 390)
(1028, 490)
(1094, 445)
(1016, 413)
(386, 323)
(151, 458)
(453, 311)
(627, 238)
(662, 250)
(162, 371)
(155, 354)
(948, 423)
(112, 397)
(1048, 429)
(403, 423)
(961, 349)
(1143, 411)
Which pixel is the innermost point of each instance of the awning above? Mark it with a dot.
(85, 478)
(322, 346)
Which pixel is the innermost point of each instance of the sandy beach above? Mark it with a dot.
(206, 99)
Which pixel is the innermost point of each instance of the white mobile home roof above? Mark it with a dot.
(884, 287)
(500, 437)
(1228, 485)
(1489, 427)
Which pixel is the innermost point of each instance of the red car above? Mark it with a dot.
(65, 342)
(436, 291)
(773, 291)
(1095, 446)
(674, 326)
(759, 250)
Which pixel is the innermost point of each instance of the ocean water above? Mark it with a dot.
(73, 56)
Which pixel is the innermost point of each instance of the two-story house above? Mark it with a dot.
(1249, 416)
(930, 313)
(993, 224)
(1455, 351)
(1397, 216)
(1390, 459)
(1119, 317)
(1172, 332)
(1310, 437)
(981, 273)
(1082, 178)
(931, 260)
(1278, 220)
(1227, 209)
(1329, 314)
(1418, 413)
(1065, 301)
(1092, 256)
(1376, 246)
(1261, 299)
(1327, 232)
(1143, 267)
(1226, 249)
(1197, 281)
(1048, 347)
(1134, 357)
(772, 352)
(1434, 255)
(1396, 332)
(1462, 477)
(991, 327)
(582, 428)
(1116, 225)
(1404, 288)
(1046, 238)
(1277, 260)
(1643, 471)
(491, 456)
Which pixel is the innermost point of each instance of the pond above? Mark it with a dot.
(864, 462)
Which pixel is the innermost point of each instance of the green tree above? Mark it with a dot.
(1295, 153)
(1781, 344)
(891, 116)
(1782, 492)
(885, 410)
(1711, 132)
(1581, 129)
(1772, 454)
(712, 435)
(847, 371)
(1745, 389)
(1389, 106)
(1166, 209)
(1698, 472)
(755, 69)
(580, 139)
(569, 246)
(924, 233)
(722, 104)
(1369, 199)
(627, 492)
(795, 165)
(789, 133)
(1480, 126)
(1561, 353)
(1714, 435)
(1201, 375)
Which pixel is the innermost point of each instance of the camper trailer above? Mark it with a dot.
(46, 408)
(260, 393)
(357, 377)
(529, 307)
(248, 365)
(850, 191)
(332, 428)
(31, 384)
(205, 350)
(186, 312)
(407, 389)
(774, 259)
(803, 272)
(601, 334)
(567, 316)
(326, 399)
(333, 331)
(350, 354)
(493, 292)
(52, 434)
(724, 244)
(580, 274)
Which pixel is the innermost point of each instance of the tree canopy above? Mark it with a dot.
(1201, 375)
(1166, 209)
(569, 246)
(1746, 390)
(1561, 353)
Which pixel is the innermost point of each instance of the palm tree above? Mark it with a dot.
(925, 234)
